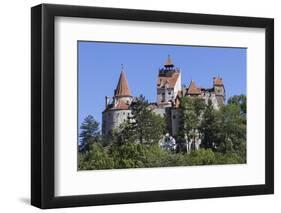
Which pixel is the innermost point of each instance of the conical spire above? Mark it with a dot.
(122, 88)
(169, 62)
(192, 89)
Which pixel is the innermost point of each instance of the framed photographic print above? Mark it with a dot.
(139, 106)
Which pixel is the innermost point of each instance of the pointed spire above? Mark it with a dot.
(122, 88)
(192, 89)
(169, 62)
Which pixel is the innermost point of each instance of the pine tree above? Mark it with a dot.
(89, 132)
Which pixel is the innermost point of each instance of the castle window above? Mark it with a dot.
(163, 97)
(174, 117)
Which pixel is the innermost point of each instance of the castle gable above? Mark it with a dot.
(193, 89)
(121, 105)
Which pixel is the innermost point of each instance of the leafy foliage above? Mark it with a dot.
(96, 158)
(239, 100)
(143, 156)
(210, 127)
(233, 129)
(143, 126)
(191, 110)
(135, 144)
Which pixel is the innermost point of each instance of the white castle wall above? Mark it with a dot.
(169, 93)
(112, 119)
(159, 111)
(213, 98)
(125, 99)
(178, 86)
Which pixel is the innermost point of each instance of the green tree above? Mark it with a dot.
(89, 132)
(190, 109)
(144, 126)
(238, 138)
(233, 130)
(210, 127)
(96, 158)
(128, 155)
(239, 100)
(199, 106)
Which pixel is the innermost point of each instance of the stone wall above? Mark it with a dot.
(111, 119)
(164, 95)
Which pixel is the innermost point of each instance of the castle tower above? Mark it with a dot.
(168, 83)
(122, 92)
(118, 111)
(219, 90)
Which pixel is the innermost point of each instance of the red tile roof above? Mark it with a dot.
(217, 81)
(169, 81)
(193, 89)
(122, 88)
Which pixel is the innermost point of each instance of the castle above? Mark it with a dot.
(169, 92)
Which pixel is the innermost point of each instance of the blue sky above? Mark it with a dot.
(99, 66)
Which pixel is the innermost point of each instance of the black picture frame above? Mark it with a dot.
(43, 102)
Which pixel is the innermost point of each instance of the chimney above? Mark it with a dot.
(106, 101)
